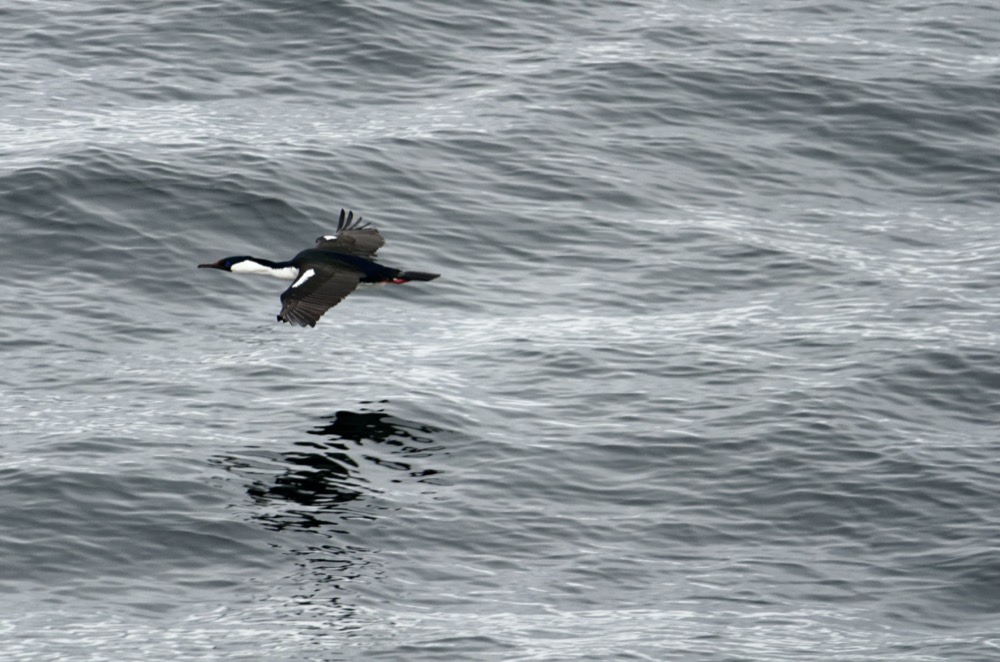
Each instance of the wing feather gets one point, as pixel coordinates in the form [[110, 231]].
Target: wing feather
[[303, 303], [353, 236]]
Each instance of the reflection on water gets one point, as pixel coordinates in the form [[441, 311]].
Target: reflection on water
[[336, 475], [325, 479]]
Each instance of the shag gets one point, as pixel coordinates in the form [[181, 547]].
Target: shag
[[323, 275]]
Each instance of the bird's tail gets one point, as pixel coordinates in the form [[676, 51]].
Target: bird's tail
[[406, 276]]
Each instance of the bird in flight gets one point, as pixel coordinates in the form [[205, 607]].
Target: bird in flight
[[323, 275]]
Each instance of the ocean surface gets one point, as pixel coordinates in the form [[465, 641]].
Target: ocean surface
[[711, 372]]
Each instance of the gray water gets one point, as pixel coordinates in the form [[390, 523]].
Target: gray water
[[710, 374]]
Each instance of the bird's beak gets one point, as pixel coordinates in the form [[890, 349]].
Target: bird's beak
[[213, 265]]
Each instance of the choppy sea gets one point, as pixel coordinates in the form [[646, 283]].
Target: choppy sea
[[711, 372]]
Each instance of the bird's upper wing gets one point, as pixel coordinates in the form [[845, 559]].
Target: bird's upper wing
[[352, 236], [315, 291]]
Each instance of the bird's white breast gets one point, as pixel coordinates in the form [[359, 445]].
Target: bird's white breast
[[249, 267]]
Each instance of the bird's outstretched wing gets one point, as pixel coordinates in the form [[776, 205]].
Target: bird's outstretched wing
[[315, 291], [352, 236]]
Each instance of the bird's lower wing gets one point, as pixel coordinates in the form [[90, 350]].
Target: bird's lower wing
[[312, 294]]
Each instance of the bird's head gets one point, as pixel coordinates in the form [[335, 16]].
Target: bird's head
[[227, 263]]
